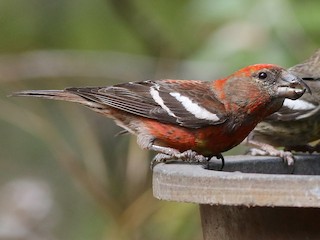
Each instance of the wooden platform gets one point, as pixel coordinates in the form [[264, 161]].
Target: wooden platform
[[252, 198]]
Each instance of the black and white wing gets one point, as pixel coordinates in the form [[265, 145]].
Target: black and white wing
[[183, 102]]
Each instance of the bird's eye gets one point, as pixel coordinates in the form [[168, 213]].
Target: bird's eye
[[262, 75]]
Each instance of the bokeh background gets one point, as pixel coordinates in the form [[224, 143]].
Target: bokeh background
[[63, 173]]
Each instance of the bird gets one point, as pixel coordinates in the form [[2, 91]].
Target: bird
[[189, 120], [297, 123]]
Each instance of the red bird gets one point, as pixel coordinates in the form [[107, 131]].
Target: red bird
[[189, 120]]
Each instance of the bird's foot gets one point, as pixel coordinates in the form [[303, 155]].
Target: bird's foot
[[268, 150], [211, 166], [264, 149], [191, 157], [160, 157], [172, 154], [186, 156], [219, 156]]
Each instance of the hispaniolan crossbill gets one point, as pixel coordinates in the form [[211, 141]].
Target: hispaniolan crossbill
[[189, 120]]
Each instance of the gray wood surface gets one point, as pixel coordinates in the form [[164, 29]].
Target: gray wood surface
[[237, 184]]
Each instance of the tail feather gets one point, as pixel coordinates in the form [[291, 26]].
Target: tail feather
[[50, 94]]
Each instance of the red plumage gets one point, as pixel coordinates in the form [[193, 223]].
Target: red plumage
[[189, 119]]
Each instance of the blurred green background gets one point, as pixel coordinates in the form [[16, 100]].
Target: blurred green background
[[63, 173]]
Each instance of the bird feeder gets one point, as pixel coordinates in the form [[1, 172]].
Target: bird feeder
[[252, 198]]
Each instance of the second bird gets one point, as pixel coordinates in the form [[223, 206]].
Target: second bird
[[297, 123]]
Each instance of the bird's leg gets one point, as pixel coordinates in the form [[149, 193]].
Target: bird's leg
[[168, 153], [264, 149]]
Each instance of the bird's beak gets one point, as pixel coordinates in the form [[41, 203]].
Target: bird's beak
[[291, 86]]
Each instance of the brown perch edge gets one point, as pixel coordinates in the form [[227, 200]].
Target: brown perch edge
[[252, 198]]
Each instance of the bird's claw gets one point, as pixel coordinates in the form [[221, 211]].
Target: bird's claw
[[191, 156], [186, 156], [160, 157], [287, 156]]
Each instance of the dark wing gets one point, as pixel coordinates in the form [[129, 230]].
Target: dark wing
[[186, 103]]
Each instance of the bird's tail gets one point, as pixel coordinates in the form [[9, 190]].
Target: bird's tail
[[50, 94]]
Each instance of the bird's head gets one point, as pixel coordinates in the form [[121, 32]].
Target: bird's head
[[278, 81]]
